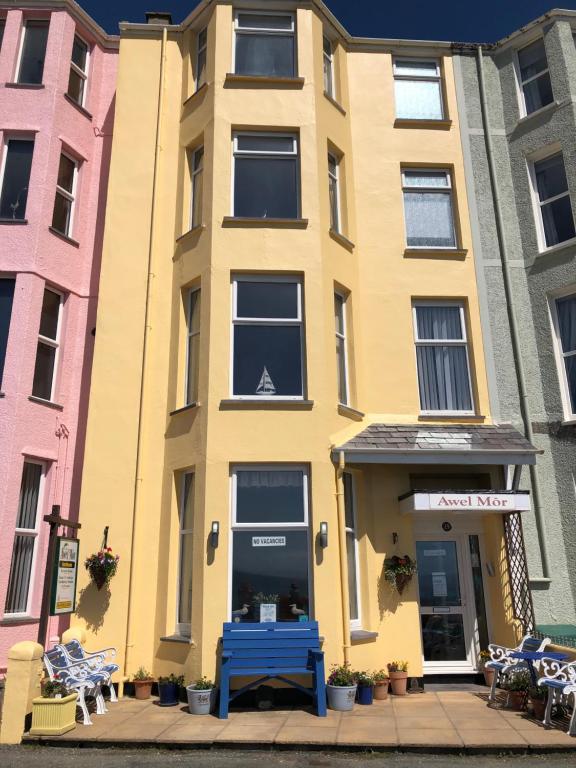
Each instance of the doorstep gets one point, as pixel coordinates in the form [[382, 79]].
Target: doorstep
[[445, 721]]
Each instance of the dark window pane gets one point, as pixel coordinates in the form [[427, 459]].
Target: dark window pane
[[265, 187], [271, 55], [558, 221], [6, 299], [29, 494], [280, 570], [76, 87], [438, 579], [79, 53], [61, 215], [49, 316], [567, 322], [571, 376], [341, 363], [260, 299], [532, 59], [264, 21], [193, 368], [44, 371], [20, 572], [2, 25], [259, 143], [352, 587], [443, 637], [348, 482], [201, 68], [66, 173], [202, 38], [269, 496], [267, 360], [479, 597], [550, 177], [33, 52], [16, 178], [538, 93]]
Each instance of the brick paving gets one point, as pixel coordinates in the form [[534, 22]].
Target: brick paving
[[449, 720]]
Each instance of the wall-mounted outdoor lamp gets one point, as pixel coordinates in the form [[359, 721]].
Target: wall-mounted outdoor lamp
[[323, 535], [214, 533]]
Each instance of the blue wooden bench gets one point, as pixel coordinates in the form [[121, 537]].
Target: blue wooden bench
[[272, 651]]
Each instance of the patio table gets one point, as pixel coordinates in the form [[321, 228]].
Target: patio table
[[531, 656]]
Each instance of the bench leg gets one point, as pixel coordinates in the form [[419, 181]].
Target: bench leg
[[572, 728], [113, 696], [549, 703], [82, 703], [492, 696], [319, 688], [100, 703], [224, 691]]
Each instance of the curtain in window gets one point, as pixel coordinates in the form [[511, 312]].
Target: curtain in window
[[567, 323], [443, 378], [269, 479], [20, 572], [29, 492], [429, 219], [438, 322]]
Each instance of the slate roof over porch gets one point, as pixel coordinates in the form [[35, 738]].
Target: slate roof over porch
[[438, 444]]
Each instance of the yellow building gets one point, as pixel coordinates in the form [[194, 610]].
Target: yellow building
[[288, 348]]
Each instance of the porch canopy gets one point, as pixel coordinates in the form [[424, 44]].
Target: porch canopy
[[438, 444]]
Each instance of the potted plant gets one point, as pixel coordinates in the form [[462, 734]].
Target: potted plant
[[485, 657], [201, 696], [537, 701], [169, 689], [365, 683], [54, 712], [341, 688], [142, 684], [398, 671], [516, 686], [398, 571], [381, 683], [101, 566]]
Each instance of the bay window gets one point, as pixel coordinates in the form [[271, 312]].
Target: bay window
[[266, 176], [48, 346], [33, 52], [21, 579], [63, 214], [78, 78], [428, 208], [535, 83], [17, 164], [270, 543], [565, 322], [442, 358], [267, 337], [264, 44], [185, 557], [418, 89], [555, 220]]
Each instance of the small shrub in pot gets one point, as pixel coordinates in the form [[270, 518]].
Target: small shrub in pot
[[381, 683], [201, 696], [169, 689], [516, 685], [341, 687], [537, 701], [398, 671], [365, 683], [485, 657], [142, 684]]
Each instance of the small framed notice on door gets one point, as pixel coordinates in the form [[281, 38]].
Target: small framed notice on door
[[439, 585], [267, 612]]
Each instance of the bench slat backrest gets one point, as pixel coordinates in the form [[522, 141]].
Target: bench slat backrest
[[532, 644], [282, 643]]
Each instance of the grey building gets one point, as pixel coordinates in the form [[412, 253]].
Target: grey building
[[517, 110]]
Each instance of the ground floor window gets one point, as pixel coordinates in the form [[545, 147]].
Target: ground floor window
[[270, 543], [184, 618], [352, 549]]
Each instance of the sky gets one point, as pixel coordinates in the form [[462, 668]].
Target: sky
[[472, 21]]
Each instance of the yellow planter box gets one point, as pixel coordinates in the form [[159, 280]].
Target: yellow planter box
[[53, 717]]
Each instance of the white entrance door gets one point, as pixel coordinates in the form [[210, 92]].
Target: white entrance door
[[452, 605]]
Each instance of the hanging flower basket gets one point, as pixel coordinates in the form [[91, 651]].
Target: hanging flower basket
[[102, 566], [399, 571]]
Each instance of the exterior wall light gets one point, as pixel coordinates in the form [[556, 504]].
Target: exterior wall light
[[214, 534], [323, 535]]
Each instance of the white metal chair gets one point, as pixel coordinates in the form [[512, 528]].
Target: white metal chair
[[96, 661], [502, 662], [560, 679], [77, 676]]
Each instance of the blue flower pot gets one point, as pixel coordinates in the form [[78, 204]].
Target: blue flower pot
[[169, 693], [365, 694]]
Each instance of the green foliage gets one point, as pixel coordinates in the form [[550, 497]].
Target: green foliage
[[203, 684], [398, 666], [53, 688], [365, 678], [341, 675], [381, 676], [518, 681], [142, 674], [173, 679]]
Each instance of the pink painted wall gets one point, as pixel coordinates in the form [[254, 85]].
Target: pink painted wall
[[39, 258]]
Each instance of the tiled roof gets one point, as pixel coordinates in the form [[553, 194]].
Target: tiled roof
[[419, 438]]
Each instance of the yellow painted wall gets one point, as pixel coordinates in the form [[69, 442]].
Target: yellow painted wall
[[147, 243]]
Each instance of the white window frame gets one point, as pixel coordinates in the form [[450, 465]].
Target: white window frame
[[249, 153], [304, 526], [521, 83], [436, 78], [463, 342], [355, 623], [83, 74], [328, 62], [335, 177], [183, 628], [344, 338], [447, 190], [559, 354], [25, 22], [189, 335], [236, 320], [7, 138], [70, 196], [237, 30], [200, 49], [537, 204], [54, 343], [31, 532], [194, 173]]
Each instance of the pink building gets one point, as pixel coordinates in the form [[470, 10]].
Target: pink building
[[57, 80]]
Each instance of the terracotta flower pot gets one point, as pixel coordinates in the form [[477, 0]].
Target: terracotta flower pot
[[381, 689], [538, 707], [516, 700], [488, 676], [143, 689], [399, 682]]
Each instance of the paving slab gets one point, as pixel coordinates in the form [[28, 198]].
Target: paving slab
[[293, 734], [480, 738]]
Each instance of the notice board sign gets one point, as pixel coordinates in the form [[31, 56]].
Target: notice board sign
[[64, 576]]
